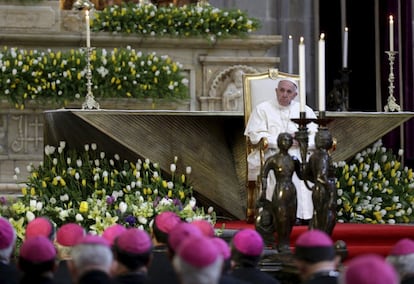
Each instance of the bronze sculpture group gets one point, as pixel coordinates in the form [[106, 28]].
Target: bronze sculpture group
[[278, 216]]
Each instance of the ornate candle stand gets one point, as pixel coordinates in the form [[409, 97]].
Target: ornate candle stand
[[90, 102], [302, 135], [391, 104], [319, 170], [338, 97], [345, 88]]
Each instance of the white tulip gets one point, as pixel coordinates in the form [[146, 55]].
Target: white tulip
[[123, 207], [39, 206], [79, 218], [30, 216]]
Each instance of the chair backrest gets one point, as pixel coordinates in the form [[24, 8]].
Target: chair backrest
[[260, 87]]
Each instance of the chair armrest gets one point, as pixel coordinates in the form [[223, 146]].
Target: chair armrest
[[261, 147]]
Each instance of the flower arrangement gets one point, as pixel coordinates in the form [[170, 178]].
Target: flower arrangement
[[33, 75], [97, 191], [186, 21], [375, 188]]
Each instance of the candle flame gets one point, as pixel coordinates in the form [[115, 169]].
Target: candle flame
[[391, 19], [322, 36], [302, 40], [346, 29], [290, 36]]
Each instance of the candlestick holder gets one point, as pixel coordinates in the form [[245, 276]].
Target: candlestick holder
[[391, 101], [322, 120], [338, 97], [302, 135], [344, 106], [89, 102], [318, 172]]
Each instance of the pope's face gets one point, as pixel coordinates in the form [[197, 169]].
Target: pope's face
[[285, 92]]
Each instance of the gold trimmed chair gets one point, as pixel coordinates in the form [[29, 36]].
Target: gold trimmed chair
[[257, 88]]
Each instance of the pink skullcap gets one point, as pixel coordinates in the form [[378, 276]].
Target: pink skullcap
[[166, 220], [40, 226], [205, 227], [198, 251], [370, 268], [69, 234], [112, 232], [248, 242], [314, 246], [134, 241], [93, 240], [7, 233], [223, 247], [181, 232], [314, 238], [403, 247], [38, 249]]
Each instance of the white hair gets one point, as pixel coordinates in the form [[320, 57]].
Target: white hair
[[91, 256], [189, 274], [403, 264]]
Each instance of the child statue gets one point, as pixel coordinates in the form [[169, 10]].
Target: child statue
[[321, 172], [283, 205]]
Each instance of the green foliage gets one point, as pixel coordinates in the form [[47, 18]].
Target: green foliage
[[59, 77], [187, 21]]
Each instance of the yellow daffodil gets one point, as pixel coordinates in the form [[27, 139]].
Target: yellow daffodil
[[377, 215], [83, 207]]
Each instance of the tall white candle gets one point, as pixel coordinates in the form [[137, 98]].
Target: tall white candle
[[345, 49], [343, 13], [302, 76], [290, 54], [391, 33], [88, 31], [321, 75]]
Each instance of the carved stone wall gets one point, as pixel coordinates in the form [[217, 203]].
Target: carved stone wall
[[21, 142], [218, 73]]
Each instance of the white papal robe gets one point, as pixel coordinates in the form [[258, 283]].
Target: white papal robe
[[268, 120]]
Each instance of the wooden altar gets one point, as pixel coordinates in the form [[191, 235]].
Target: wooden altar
[[212, 143]]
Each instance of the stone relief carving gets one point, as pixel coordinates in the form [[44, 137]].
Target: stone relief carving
[[29, 135], [228, 85], [3, 134]]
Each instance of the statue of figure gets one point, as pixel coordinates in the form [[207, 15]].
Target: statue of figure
[[336, 99], [321, 172], [284, 203], [233, 94]]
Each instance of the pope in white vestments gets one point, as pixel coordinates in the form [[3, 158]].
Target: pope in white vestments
[[268, 120]]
